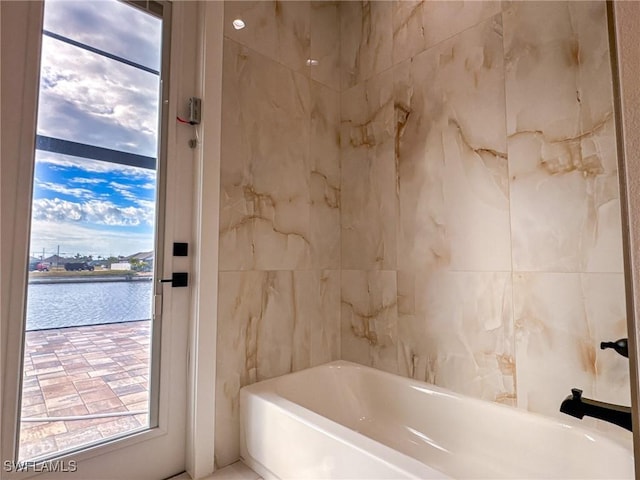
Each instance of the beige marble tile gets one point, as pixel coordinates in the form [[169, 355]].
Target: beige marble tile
[[325, 43], [560, 320], [317, 302], [269, 324], [278, 326], [239, 312], [299, 326], [324, 154], [455, 329], [450, 149], [418, 25], [562, 156], [408, 29], [366, 40], [369, 191], [369, 317], [279, 30], [265, 198]]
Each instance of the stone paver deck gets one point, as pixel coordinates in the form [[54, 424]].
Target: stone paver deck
[[83, 372]]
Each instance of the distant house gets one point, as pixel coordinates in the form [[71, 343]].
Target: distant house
[[142, 257], [56, 260], [141, 261], [121, 266]]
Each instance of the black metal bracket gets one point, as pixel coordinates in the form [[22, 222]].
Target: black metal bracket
[[180, 249], [178, 279]]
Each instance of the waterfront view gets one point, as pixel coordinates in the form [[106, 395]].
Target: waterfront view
[[56, 305], [86, 358]]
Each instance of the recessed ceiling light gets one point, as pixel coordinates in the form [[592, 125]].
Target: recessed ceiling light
[[238, 24], [312, 62]]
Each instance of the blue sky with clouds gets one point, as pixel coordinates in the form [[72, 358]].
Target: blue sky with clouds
[[81, 205]]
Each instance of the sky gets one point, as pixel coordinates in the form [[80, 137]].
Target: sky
[[88, 206]]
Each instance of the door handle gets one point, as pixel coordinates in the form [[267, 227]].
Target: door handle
[[178, 279]]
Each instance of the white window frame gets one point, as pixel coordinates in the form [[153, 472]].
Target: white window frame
[[21, 23]]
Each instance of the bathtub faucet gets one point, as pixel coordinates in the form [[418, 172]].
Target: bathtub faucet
[[577, 406]]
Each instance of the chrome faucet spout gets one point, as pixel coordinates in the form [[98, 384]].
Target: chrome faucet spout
[[578, 406]]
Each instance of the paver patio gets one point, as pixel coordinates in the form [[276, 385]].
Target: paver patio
[[79, 372]]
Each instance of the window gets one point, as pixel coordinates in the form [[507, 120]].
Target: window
[[87, 364]]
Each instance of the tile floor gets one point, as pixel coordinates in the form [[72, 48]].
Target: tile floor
[[83, 372], [235, 471]]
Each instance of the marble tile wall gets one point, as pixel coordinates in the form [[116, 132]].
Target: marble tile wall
[[436, 197], [565, 210], [279, 260], [479, 183], [425, 210], [562, 151]]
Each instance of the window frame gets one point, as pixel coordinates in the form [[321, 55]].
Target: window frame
[[14, 318]]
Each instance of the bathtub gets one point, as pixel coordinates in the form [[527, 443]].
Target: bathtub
[[343, 420]]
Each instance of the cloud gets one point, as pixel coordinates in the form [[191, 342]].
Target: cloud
[[58, 188], [75, 238], [91, 99], [99, 212], [90, 181], [124, 190], [101, 25], [150, 204], [93, 166]]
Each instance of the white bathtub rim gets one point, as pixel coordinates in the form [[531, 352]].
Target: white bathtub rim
[[407, 466], [555, 422], [280, 393]]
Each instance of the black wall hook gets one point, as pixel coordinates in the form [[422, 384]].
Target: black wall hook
[[178, 279]]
